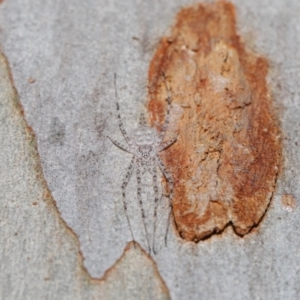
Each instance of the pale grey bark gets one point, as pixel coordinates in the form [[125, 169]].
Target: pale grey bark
[[71, 51]]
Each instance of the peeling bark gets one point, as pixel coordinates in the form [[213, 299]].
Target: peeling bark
[[226, 160]]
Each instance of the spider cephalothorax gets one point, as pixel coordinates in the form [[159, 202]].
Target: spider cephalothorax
[[144, 138], [144, 144]]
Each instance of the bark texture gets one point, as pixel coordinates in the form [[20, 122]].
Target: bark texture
[[63, 230], [226, 159]]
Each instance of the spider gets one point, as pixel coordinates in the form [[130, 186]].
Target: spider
[[144, 144]]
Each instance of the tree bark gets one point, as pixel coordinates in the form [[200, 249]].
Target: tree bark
[[64, 234]]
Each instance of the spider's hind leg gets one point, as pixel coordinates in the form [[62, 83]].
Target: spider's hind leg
[[124, 184], [171, 188], [139, 196], [153, 171]]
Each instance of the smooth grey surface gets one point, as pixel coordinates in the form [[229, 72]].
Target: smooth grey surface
[[72, 50], [39, 254]]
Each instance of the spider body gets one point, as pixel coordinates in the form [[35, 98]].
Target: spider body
[[144, 138], [144, 144]]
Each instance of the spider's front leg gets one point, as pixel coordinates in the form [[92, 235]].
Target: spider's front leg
[[171, 187], [119, 145], [161, 135], [167, 119], [124, 184], [167, 144], [121, 126]]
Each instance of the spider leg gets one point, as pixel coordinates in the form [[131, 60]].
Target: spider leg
[[124, 184], [171, 187], [144, 170], [167, 119], [167, 144], [155, 187], [119, 145], [121, 126], [139, 196]]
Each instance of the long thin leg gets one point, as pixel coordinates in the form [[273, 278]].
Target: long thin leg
[[155, 187], [121, 126], [171, 187], [125, 182], [167, 144], [119, 145], [167, 119], [139, 196]]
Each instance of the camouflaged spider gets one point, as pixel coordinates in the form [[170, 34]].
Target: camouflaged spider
[[144, 144]]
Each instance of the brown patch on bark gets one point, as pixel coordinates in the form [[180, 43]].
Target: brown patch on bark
[[225, 161]]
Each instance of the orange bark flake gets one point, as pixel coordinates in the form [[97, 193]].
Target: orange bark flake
[[226, 159]]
